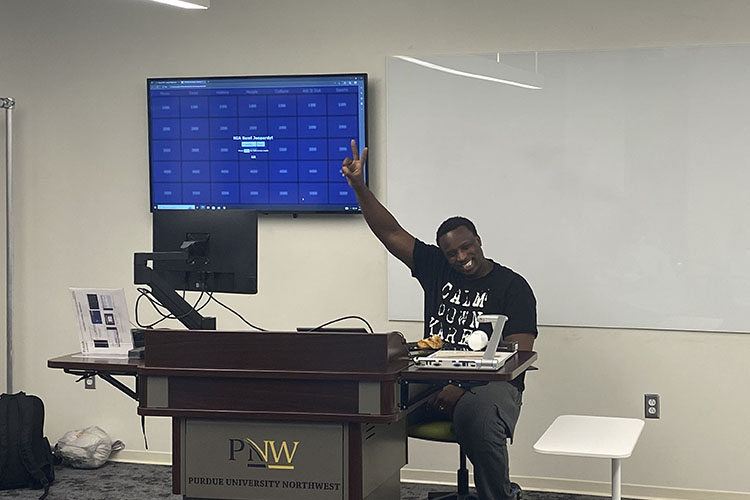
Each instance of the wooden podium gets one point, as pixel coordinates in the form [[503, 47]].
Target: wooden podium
[[282, 415], [279, 415]]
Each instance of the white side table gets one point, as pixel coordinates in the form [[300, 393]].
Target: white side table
[[589, 436]]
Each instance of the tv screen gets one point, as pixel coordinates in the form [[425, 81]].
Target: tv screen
[[265, 143]]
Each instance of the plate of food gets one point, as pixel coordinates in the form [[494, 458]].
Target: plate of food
[[425, 346]]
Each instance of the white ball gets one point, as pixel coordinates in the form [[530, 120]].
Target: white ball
[[477, 340]]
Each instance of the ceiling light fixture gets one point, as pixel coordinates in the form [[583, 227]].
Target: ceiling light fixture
[[481, 68], [187, 4]]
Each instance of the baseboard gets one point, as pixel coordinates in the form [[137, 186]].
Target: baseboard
[[581, 487], [431, 476], [142, 457]]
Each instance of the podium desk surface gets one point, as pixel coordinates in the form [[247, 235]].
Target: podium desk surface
[[78, 361], [513, 367]]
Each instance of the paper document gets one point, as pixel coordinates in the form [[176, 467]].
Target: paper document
[[102, 315]]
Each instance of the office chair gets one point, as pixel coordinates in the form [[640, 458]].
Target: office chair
[[440, 430]]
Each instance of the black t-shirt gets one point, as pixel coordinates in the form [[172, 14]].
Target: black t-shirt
[[453, 302]]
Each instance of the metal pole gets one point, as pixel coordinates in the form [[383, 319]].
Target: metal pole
[[616, 479], [8, 103]]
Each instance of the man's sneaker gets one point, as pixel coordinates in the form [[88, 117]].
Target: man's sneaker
[[517, 492]]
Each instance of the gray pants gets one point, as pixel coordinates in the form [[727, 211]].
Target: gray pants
[[483, 420]]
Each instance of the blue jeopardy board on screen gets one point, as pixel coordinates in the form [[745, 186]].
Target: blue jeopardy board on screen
[[274, 144]]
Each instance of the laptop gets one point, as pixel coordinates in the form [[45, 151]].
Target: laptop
[[489, 359]]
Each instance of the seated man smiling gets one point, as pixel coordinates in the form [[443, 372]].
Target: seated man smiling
[[459, 285]]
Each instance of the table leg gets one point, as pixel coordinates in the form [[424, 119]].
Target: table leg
[[616, 479]]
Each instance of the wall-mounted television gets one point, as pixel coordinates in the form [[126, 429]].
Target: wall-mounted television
[[273, 144]]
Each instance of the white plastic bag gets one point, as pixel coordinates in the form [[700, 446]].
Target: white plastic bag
[[87, 448]]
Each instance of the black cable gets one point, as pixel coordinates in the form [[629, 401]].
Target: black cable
[[145, 292], [342, 319], [211, 297]]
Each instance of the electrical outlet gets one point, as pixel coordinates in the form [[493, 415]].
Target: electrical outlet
[[651, 405], [90, 382]]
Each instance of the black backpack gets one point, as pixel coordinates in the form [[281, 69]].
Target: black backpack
[[25, 456]]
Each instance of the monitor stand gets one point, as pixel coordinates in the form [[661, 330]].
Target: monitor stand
[[165, 293]]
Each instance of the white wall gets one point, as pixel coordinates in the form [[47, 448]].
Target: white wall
[[77, 70]]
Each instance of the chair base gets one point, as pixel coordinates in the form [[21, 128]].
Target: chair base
[[450, 495], [454, 495]]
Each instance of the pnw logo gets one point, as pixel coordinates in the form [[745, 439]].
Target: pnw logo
[[270, 455]]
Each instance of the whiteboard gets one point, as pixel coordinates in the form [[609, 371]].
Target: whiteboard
[[619, 190]]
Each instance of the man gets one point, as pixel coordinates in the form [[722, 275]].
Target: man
[[459, 283]]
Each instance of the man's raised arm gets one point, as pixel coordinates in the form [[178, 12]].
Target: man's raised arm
[[382, 223]]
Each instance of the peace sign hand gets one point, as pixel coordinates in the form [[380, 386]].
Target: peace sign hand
[[354, 169]]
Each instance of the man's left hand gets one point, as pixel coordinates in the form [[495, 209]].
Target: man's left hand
[[445, 400]]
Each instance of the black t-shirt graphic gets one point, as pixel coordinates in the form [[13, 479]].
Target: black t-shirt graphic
[[453, 303]]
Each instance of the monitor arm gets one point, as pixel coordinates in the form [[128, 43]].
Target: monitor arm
[[165, 293]]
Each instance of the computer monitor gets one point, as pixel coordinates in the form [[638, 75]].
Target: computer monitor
[[222, 250], [269, 143], [205, 251]]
